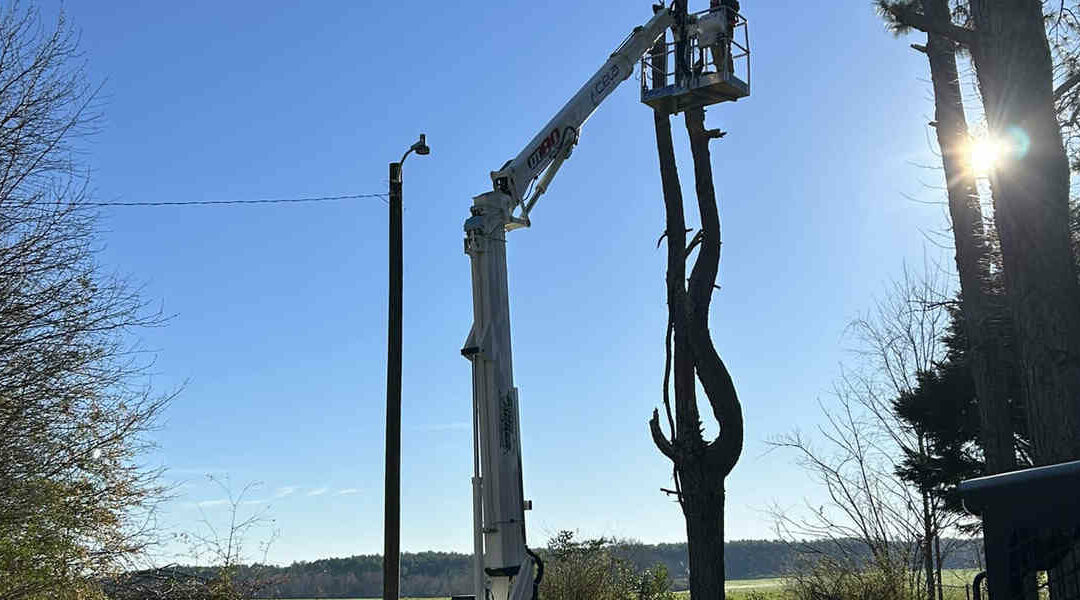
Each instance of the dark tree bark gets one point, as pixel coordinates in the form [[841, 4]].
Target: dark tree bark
[[1030, 188], [700, 467], [972, 262], [978, 304], [1031, 204], [985, 345], [1031, 201]]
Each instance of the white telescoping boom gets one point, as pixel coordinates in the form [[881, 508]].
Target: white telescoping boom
[[505, 569]]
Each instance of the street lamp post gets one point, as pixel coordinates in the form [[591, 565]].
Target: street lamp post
[[392, 505]]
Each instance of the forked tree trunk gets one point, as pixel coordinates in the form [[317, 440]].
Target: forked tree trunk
[[700, 467]]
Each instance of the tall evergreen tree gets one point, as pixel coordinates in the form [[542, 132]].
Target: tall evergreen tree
[[1011, 53], [973, 249], [1008, 44]]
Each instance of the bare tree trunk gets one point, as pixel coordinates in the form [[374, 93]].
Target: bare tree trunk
[[928, 532], [724, 451], [704, 512], [1031, 200], [937, 566], [700, 467], [985, 345], [685, 394], [1030, 189]]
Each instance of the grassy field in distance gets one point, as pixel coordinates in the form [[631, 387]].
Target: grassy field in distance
[[741, 589], [772, 587]]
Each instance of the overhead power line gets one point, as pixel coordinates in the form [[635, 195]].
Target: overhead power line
[[222, 202]]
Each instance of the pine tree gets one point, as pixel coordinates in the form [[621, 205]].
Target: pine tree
[[944, 409]]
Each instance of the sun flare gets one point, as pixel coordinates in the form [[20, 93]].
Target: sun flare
[[985, 154]]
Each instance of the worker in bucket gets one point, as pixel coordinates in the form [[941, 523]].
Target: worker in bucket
[[715, 31]]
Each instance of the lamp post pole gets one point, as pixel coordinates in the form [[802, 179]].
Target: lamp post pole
[[392, 502]]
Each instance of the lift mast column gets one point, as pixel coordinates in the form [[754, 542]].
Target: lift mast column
[[504, 568], [498, 502]]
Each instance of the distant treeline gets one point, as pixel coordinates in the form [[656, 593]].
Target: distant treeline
[[442, 574]]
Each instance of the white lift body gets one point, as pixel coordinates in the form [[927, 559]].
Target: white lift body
[[504, 568], [543, 156], [501, 557]]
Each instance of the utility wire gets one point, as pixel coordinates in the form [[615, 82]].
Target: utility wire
[[221, 202]]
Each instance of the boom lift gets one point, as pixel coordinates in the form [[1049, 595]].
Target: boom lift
[[504, 567]]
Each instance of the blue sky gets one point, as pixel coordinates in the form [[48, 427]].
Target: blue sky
[[280, 312]]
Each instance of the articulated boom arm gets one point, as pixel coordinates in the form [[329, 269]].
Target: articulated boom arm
[[556, 140], [504, 568]]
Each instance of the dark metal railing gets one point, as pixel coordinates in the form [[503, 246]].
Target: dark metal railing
[[663, 66]]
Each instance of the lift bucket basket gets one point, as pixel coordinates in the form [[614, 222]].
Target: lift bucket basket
[[678, 75]]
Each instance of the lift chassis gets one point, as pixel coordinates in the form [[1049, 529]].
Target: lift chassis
[[504, 567]]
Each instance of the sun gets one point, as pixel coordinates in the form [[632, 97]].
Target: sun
[[985, 154]]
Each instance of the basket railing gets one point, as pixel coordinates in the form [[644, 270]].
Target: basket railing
[[661, 66]]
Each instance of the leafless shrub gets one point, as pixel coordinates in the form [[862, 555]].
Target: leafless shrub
[[876, 534]]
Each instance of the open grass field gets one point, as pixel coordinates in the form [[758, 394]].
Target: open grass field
[[772, 588]]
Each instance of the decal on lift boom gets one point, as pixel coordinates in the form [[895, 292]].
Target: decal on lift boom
[[550, 143]]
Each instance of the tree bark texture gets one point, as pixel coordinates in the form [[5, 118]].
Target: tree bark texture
[[985, 342], [704, 513], [1031, 206], [700, 466], [1030, 191]]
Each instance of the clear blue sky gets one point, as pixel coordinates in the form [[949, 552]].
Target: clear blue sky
[[280, 311]]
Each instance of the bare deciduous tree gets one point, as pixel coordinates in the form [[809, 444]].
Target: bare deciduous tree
[[73, 412], [862, 445], [221, 547]]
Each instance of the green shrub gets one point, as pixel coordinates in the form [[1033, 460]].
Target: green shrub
[[588, 570]]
